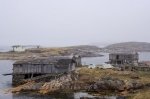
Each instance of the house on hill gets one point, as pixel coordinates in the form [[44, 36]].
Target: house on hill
[[21, 48]]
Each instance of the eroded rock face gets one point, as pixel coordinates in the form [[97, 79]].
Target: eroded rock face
[[133, 85], [56, 85], [72, 82], [114, 84], [108, 83]]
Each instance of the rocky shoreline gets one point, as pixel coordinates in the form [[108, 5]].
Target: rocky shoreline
[[120, 83]]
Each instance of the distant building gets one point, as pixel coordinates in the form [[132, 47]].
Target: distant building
[[77, 60], [20, 48], [53, 65], [123, 58]]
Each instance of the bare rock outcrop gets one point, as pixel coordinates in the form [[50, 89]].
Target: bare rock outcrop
[[108, 83]]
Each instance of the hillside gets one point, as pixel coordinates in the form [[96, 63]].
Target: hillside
[[82, 50], [128, 47]]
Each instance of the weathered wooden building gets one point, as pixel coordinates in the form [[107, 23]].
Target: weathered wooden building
[[123, 58], [77, 60], [53, 65]]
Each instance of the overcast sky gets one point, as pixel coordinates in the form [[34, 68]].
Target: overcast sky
[[73, 22]]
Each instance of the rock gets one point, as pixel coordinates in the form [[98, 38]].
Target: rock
[[30, 86], [57, 85], [147, 85], [135, 77], [108, 83], [133, 85]]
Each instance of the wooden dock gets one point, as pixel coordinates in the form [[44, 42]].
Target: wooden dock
[[7, 74]]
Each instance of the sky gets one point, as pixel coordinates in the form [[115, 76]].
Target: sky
[[73, 22]]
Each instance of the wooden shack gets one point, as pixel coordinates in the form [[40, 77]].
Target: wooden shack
[[36, 67], [77, 60], [123, 58]]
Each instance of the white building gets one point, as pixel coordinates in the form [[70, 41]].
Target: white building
[[20, 48]]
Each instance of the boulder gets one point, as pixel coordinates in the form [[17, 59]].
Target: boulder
[[135, 77], [108, 83], [133, 85]]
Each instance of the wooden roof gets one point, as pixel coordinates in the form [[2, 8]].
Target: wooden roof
[[50, 60], [125, 53]]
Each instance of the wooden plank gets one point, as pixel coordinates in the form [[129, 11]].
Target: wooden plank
[[7, 74]]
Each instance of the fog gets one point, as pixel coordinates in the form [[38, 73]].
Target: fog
[[73, 22]]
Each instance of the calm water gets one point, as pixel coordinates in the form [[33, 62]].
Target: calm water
[[5, 48], [144, 56], [96, 60], [5, 81]]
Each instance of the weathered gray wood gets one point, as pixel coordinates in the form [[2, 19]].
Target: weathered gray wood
[[123, 58], [40, 68]]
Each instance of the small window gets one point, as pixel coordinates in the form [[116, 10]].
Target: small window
[[117, 57]]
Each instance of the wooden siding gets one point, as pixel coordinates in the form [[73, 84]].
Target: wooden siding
[[123, 58], [41, 69]]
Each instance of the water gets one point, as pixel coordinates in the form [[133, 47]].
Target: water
[[5, 48], [144, 56], [5, 81], [96, 60]]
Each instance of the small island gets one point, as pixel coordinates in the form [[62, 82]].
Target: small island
[[24, 52]]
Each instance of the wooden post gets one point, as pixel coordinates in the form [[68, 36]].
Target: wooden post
[[32, 75]]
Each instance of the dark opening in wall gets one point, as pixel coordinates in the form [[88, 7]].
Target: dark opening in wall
[[27, 76], [117, 57]]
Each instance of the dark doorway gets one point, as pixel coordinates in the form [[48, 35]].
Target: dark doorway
[[117, 57]]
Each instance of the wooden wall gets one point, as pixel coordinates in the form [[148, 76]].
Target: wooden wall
[[40, 68]]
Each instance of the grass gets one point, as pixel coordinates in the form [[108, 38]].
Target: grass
[[144, 94], [144, 77], [92, 75], [99, 73]]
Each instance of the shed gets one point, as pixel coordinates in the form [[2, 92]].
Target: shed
[[53, 66], [44, 66], [123, 58]]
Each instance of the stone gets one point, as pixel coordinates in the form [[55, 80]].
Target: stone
[[133, 85], [108, 83]]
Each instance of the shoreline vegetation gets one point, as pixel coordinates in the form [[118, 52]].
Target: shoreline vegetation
[[94, 81], [83, 51]]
